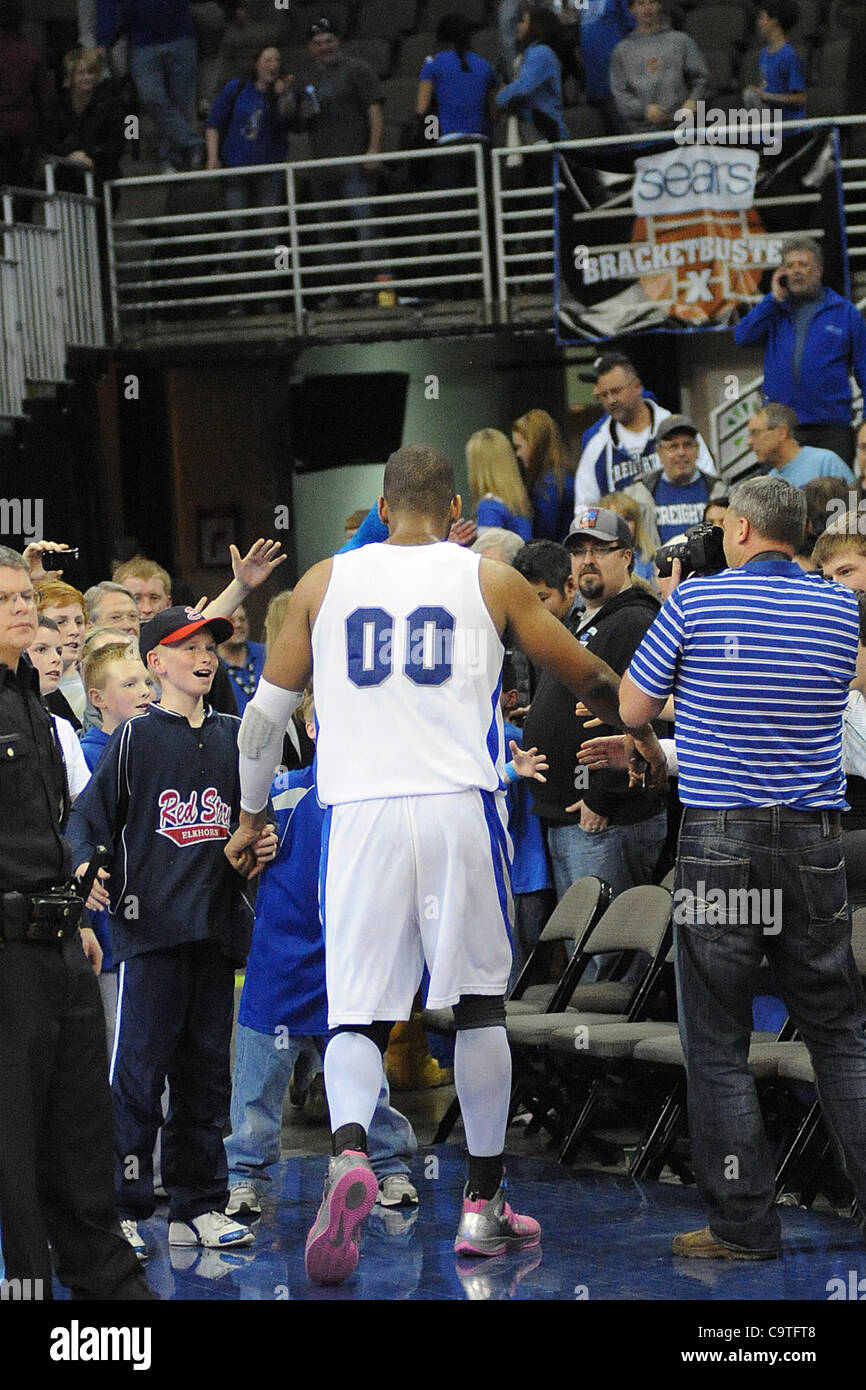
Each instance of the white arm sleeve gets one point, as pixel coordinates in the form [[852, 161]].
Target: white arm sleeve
[[260, 741], [669, 748]]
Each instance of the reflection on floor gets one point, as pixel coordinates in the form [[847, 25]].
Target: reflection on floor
[[604, 1237]]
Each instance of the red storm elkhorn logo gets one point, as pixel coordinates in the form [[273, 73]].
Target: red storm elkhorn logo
[[187, 822]]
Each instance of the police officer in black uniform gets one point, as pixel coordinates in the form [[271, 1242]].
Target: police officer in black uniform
[[56, 1142]]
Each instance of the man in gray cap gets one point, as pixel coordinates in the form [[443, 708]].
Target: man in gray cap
[[673, 497], [596, 823]]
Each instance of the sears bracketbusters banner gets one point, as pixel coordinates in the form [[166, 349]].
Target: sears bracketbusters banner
[[685, 238]]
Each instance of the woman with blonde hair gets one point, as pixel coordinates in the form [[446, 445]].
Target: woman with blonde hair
[[644, 550], [496, 485], [548, 478]]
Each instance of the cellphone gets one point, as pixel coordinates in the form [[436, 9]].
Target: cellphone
[[71, 554], [783, 281]]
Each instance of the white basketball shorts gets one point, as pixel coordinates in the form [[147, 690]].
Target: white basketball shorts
[[409, 879]]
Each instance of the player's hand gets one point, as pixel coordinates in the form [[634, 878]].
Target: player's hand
[[36, 554], [98, 894], [91, 948], [778, 284], [647, 762], [463, 532], [609, 751], [239, 850], [528, 762], [589, 719], [590, 821], [258, 564], [265, 848]]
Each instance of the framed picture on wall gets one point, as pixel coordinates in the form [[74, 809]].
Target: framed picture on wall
[[218, 528]]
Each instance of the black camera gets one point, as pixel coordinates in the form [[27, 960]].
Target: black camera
[[701, 552]]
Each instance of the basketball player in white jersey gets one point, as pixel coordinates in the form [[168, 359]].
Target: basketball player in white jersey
[[405, 641]]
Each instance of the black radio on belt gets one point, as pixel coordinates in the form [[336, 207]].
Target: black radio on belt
[[48, 916], [52, 915]]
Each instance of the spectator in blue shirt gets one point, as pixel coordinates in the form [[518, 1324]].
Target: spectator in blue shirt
[[462, 83], [249, 124], [549, 482], [496, 485], [774, 436], [603, 24], [783, 82], [243, 660], [535, 95]]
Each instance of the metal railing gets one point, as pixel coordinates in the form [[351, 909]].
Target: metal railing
[[76, 217], [329, 236], [11, 343], [37, 253]]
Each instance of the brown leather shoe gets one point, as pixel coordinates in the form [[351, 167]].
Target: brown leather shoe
[[702, 1245]]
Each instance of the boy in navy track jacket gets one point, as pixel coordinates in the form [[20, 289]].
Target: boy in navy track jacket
[[164, 797]]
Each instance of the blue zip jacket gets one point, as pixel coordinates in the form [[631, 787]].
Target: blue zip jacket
[[284, 984], [835, 346], [538, 86], [166, 797]]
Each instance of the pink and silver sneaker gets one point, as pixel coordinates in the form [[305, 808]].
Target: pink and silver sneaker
[[334, 1243], [492, 1228]]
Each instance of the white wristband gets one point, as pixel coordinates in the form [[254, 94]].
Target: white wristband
[[260, 741]]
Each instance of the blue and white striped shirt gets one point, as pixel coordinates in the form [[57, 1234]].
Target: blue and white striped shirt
[[759, 661]]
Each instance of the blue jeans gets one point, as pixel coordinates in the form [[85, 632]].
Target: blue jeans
[[624, 856], [804, 929], [165, 76], [254, 191], [263, 1066]]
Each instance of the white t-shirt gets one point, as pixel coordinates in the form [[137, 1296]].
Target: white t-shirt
[[77, 771]]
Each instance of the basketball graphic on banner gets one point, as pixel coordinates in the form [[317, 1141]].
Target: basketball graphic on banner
[[707, 290]]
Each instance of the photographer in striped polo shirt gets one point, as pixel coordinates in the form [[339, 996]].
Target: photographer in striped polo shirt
[[759, 659]]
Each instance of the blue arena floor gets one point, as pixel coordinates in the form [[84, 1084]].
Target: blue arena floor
[[604, 1237]]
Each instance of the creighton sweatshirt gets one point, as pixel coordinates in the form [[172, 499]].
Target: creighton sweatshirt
[[665, 68]]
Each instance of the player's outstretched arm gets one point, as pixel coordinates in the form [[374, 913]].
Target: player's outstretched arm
[[514, 604], [279, 692]]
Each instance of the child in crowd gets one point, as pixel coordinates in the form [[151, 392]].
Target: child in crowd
[[283, 1004], [118, 688], [65, 605], [530, 875], [46, 654], [164, 797]]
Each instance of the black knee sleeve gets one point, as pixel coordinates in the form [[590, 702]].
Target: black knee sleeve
[[479, 1011], [379, 1031]]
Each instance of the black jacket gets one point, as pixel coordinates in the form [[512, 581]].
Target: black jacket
[[33, 797], [614, 634], [97, 130]]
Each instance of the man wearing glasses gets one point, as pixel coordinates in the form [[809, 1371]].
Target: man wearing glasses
[[56, 1143], [773, 432], [596, 823]]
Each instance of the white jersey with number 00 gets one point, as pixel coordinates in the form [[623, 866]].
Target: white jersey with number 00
[[407, 667]]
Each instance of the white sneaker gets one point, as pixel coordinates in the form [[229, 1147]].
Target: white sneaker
[[212, 1228], [397, 1191], [136, 1240], [243, 1201]]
